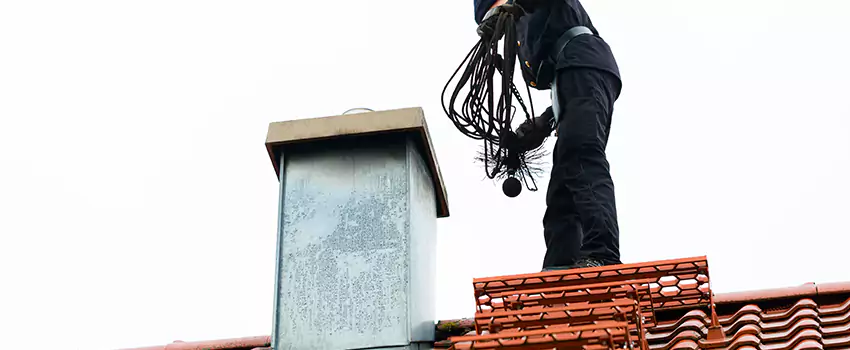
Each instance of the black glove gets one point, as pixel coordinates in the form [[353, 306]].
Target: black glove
[[532, 133], [488, 25]]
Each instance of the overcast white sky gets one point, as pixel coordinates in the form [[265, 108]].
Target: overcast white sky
[[137, 203]]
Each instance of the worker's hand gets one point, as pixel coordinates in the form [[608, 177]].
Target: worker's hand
[[488, 25], [532, 133]]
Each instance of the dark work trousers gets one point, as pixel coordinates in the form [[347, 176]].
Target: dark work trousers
[[581, 214]]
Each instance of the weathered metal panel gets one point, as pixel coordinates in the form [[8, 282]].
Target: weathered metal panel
[[348, 253], [278, 248], [423, 247]]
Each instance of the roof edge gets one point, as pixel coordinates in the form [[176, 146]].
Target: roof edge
[[221, 344], [806, 290]]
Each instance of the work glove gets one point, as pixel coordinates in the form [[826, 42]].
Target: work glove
[[518, 7], [488, 25], [532, 133]]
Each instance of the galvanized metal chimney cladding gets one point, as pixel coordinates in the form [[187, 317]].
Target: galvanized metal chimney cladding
[[360, 195]]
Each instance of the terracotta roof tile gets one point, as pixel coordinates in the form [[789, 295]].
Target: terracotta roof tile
[[804, 324]]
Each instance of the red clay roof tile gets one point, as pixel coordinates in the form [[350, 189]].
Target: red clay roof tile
[[805, 324]]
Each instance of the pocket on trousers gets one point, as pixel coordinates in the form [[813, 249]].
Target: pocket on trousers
[[579, 126]]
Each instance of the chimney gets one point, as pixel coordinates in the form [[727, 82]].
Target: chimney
[[359, 199]]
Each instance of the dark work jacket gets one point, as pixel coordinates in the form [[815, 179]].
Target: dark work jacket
[[538, 31]]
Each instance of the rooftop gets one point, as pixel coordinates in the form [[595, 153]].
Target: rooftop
[[810, 316]]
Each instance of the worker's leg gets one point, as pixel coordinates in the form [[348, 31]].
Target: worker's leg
[[581, 188], [561, 224]]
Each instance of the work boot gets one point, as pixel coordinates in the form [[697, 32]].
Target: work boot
[[556, 268], [587, 262], [581, 263]]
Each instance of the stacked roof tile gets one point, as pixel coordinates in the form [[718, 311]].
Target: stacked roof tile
[[590, 308]]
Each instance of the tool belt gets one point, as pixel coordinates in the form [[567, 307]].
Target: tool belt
[[545, 74]]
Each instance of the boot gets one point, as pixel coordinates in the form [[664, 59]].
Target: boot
[[581, 263]]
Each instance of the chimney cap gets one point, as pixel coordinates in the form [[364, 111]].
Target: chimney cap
[[406, 120]]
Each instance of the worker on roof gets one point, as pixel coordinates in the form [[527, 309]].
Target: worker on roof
[[560, 50]]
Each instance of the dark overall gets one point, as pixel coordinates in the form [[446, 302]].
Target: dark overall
[[581, 215]]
